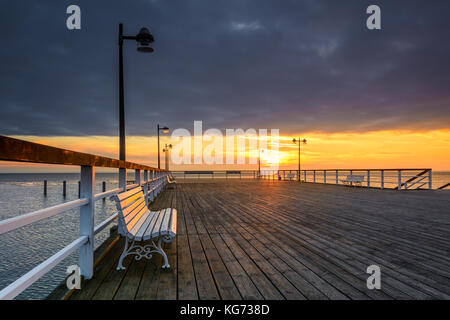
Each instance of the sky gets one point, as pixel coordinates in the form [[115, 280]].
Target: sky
[[363, 98]]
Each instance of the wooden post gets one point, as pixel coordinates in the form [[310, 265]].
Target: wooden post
[[382, 179], [324, 176], [45, 187], [146, 186], [79, 189], [337, 177], [368, 178], [351, 173], [86, 257], [104, 189], [399, 179], [304, 173], [430, 179], [64, 188], [314, 176]]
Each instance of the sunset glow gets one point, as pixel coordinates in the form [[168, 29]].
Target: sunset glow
[[378, 149]]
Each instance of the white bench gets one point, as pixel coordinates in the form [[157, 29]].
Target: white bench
[[170, 179], [290, 176], [356, 179], [139, 224]]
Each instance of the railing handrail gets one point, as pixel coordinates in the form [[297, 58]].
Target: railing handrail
[[12, 149]]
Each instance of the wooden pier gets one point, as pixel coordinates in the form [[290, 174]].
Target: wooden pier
[[286, 240]]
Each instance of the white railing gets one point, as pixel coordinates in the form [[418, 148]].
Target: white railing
[[153, 183], [400, 179]]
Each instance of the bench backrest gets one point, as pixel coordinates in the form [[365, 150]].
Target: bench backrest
[[355, 178], [131, 206]]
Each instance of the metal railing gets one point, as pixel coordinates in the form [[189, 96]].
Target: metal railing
[[11, 149], [401, 179]]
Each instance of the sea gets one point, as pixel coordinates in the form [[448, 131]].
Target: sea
[[24, 248]]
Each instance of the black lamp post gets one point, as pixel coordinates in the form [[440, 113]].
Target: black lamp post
[[299, 141], [164, 130], [143, 39]]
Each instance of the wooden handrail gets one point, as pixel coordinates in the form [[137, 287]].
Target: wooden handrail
[[24, 151]]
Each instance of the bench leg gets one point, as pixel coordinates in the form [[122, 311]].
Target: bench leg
[[161, 251], [144, 251], [125, 252]]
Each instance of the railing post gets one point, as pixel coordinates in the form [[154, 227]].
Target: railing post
[[146, 186], [137, 176], [399, 179], [351, 173], [123, 179], [314, 176], [337, 177], [368, 178], [382, 179], [45, 187], [158, 175], [152, 185], [324, 176], [304, 173], [79, 189], [86, 257], [430, 179], [64, 188]]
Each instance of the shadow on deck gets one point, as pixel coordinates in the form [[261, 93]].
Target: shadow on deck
[[284, 240]]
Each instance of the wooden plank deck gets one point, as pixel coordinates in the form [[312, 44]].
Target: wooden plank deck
[[290, 241]]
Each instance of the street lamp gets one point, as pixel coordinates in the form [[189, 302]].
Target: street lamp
[[300, 142], [167, 148], [164, 130], [143, 40]]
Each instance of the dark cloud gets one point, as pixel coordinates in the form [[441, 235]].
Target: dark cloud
[[293, 65]]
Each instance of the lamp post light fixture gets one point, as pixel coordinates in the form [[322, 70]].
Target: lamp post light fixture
[[300, 142], [166, 150], [143, 39], [164, 130]]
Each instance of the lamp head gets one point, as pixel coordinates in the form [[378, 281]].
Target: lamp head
[[144, 38], [165, 129]]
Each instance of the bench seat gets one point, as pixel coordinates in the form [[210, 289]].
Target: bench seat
[[358, 179], [138, 224]]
